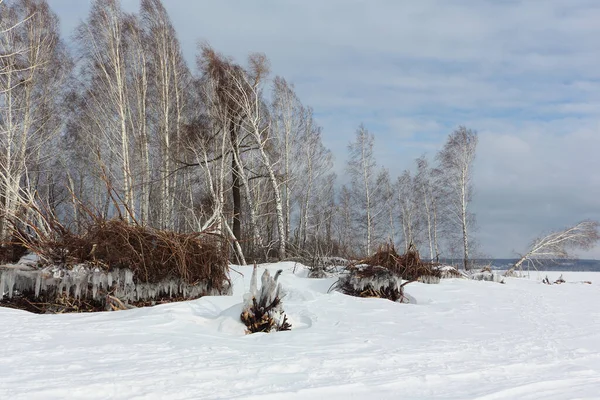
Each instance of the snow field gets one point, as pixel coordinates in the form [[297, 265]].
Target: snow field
[[462, 340]]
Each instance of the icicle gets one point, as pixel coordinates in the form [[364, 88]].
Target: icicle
[[10, 283], [109, 280], [128, 277], [2, 283], [118, 275]]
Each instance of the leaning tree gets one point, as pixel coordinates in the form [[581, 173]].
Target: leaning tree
[[560, 244]]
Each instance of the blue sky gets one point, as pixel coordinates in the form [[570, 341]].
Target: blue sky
[[524, 74]]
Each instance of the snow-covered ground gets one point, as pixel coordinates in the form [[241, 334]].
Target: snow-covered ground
[[462, 340]]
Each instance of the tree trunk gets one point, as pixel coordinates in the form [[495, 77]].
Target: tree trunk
[[236, 191]]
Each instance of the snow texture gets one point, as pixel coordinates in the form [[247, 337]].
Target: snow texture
[[464, 339]]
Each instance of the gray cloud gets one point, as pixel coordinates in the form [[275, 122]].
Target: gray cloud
[[523, 73]]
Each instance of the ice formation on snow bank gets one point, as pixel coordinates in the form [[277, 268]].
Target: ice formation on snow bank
[[486, 276], [372, 281], [85, 281], [449, 272]]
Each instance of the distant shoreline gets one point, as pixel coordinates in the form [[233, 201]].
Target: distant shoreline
[[581, 265]]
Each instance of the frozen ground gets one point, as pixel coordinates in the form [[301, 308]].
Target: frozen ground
[[463, 340]]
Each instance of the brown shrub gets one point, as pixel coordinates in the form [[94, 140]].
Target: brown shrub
[[409, 265], [151, 254], [381, 274]]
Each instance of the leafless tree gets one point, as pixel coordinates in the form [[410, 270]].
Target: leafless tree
[[237, 95], [316, 162], [103, 51], [33, 69], [560, 244], [456, 163], [345, 233], [287, 124], [425, 187], [407, 201], [171, 80], [365, 186], [256, 124]]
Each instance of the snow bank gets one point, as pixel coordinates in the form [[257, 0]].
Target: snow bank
[[463, 339]]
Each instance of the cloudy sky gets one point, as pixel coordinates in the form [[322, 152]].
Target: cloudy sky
[[524, 73]]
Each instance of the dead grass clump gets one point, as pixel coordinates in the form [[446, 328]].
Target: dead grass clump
[[114, 265], [382, 274], [48, 304], [409, 265], [152, 255]]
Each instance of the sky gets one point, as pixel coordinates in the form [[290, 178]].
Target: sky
[[525, 74]]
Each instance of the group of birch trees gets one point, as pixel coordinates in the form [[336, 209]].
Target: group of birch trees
[[428, 208], [120, 126]]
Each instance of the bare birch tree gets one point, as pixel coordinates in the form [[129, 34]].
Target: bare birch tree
[[259, 127], [140, 94], [408, 208], [287, 118], [560, 244], [171, 78], [456, 163], [345, 233], [103, 50], [361, 168], [316, 162], [232, 96], [425, 187], [33, 68]]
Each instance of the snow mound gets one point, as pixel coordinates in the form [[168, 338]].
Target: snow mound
[[462, 340]]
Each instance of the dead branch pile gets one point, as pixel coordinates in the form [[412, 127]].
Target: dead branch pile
[[382, 274], [263, 311], [409, 265], [151, 254], [131, 263], [47, 304]]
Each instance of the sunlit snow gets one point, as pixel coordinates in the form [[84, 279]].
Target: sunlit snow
[[463, 339]]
